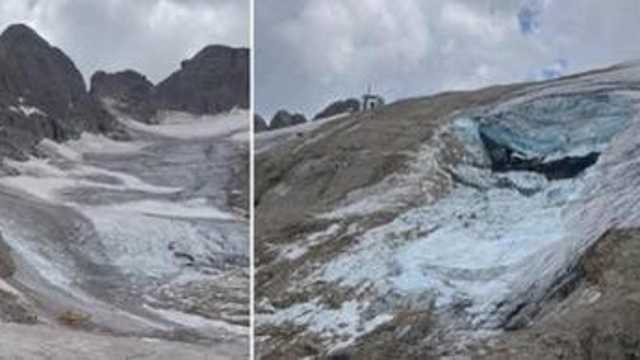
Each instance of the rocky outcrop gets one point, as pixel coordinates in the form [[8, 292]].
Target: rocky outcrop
[[7, 266], [131, 91], [284, 119], [216, 79], [213, 81], [12, 309], [42, 94], [339, 107], [259, 125]]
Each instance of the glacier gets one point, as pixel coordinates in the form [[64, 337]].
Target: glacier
[[537, 178], [113, 228]]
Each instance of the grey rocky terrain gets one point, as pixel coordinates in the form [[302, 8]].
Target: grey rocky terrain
[[42, 94], [499, 223], [125, 236]]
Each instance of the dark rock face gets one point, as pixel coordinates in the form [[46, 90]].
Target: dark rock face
[[259, 124], [7, 266], [214, 80], [12, 309], [42, 94], [131, 90], [339, 107], [284, 119], [36, 71]]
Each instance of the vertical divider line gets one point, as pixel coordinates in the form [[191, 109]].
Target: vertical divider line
[[252, 315]]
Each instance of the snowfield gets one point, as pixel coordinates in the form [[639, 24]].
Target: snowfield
[[187, 126]]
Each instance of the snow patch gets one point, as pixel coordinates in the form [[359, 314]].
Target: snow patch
[[27, 110], [45, 180], [8, 288], [186, 126], [195, 209], [89, 143], [298, 249], [345, 323], [51, 147], [194, 321]]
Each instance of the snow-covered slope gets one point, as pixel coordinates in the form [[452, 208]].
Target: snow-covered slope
[[142, 237], [464, 211]]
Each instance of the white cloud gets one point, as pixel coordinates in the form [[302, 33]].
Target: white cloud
[[461, 18], [340, 31], [151, 36], [311, 52]]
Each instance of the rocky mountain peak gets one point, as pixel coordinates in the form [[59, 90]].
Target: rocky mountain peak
[[217, 56], [31, 68], [283, 119], [216, 79], [20, 35], [42, 93], [131, 91], [259, 124]]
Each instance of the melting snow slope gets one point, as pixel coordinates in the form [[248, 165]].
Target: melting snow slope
[[135, 228], [497, 240], [186, 126]]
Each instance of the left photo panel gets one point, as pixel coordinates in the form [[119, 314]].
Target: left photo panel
[[124, 179]]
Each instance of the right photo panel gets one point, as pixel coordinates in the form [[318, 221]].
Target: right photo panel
[[447, 179]]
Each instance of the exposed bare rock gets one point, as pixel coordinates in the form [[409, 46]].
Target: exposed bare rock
[[259, 124], [339, 107], [216, 79], [131, 91], [42, 94], [7, 266], [284, 119]]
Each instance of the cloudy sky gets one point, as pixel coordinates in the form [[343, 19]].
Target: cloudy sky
[[151, 36], [311, 52]]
